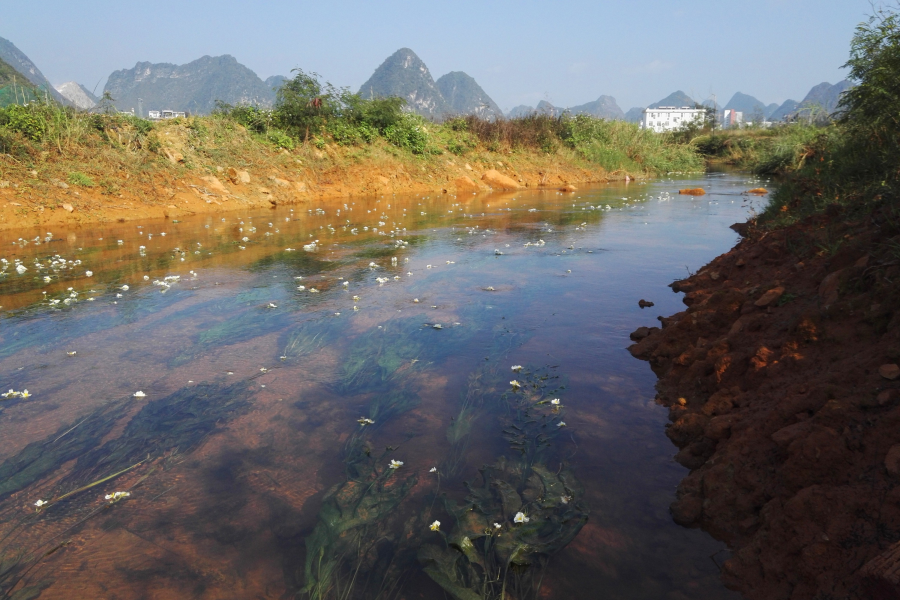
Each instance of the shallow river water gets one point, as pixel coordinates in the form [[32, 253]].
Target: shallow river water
[[380, 397]]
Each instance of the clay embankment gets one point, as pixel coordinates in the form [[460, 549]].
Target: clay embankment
[[40, 196], [784, 398]]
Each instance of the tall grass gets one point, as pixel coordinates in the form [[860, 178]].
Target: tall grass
[[774, 151]]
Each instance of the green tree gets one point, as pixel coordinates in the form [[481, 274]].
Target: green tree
[[303, 104]]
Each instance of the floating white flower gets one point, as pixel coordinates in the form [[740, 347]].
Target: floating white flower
[[263, 370], [565, 499], [395, 464], [438, 326], [365, 421], [116, 496], [272, 305], [313, 291], [24, 394], [118, 295], [10, 394], [416, 300], [515, 384], [46, 279], [436, 526], [139, 394], [356, 298], [561, 424], [301, 287], [432, 470], [516, 368], [21, 269], [497, 526], [521, 518], [555, 402], [72, 352], [124, 288], [41, 503]]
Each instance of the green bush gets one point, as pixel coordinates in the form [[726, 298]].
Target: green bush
[[30, 121], [409, 133]]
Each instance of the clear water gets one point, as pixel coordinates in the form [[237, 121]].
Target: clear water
[[249, 474]]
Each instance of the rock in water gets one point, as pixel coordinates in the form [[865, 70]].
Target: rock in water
[[498, 180]]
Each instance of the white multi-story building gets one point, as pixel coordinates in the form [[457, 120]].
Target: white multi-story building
[[669, 118]]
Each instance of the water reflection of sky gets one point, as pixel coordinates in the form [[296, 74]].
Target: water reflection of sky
[[233, 479]]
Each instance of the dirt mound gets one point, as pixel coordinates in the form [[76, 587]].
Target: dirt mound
[[781, 407]]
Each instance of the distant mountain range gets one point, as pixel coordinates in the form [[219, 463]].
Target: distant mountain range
[[466, 97], [604, 107], [78, 95], [677, 99], [825, 96], [193, 87], [196, 86], [16, 59], [404, 74]]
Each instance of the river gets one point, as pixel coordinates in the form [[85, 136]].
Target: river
[[365, 398]]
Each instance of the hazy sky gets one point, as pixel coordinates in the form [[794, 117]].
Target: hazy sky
[[567, 52]]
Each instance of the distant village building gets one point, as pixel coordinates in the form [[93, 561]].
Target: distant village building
[[159, 115], [669, 118], [732, 118]]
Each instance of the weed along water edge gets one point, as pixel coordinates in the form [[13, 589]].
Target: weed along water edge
[[374, 397]]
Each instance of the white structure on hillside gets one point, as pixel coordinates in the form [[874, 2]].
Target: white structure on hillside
[[158, 115], [669, 118]]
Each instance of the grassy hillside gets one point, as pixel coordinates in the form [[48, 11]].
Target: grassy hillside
[[12, 83]]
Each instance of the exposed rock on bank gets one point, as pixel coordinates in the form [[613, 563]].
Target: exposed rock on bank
[[781, 382]]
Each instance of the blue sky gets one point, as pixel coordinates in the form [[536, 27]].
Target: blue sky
[[566, 52]]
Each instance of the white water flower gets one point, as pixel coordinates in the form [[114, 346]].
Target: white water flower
[[561, 424], [124, 288], [346, 283], [88, 273], [555, 402], [365, 421], [438, 326], [20, 269], [116, 496], [139, 394], [41, 503], [263, 370], [395, 464], [521, 518], [516, 368], [565, 499], [24, 394], [272, 305], [118, 295], [313, 291], [146, 277], [436, 526], [516, 385], [301, 287], [356, 298], [497, 526], [72, 352], [432, 470]]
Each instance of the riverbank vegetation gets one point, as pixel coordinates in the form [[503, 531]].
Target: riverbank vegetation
[[310, 118]]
